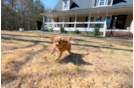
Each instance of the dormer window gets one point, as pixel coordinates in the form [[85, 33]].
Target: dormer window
[[102, 3], [65, 4]]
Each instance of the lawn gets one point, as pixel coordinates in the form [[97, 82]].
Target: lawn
[[95, 63]]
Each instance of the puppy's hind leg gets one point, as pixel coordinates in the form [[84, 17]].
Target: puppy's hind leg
[[69, 50], [70, 53]]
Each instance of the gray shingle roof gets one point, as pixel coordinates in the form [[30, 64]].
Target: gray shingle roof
[[88, 4]]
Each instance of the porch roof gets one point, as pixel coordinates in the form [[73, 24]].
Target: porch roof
[[94, 11]]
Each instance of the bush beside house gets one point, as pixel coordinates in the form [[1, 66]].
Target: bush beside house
[[38, 25], [96, 31], [50, 30]]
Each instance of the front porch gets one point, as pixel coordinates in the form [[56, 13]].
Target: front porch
[[86, 21]]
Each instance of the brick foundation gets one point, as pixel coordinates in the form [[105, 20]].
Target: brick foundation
[[119, 35]]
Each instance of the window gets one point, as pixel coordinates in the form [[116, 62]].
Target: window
[[57, 19], [108, 20], [65, 4], [98, 19], [92, 19], [102, 2]]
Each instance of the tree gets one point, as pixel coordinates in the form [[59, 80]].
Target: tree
[[21, 13]]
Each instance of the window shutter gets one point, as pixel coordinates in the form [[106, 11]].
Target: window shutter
[[109, 2], [95, 2]]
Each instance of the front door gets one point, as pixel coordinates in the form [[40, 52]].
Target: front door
[[121, 21]]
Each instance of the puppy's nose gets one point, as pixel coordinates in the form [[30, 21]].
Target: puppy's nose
[[56, 44]]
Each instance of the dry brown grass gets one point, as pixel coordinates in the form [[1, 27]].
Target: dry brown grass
[[95, 63]]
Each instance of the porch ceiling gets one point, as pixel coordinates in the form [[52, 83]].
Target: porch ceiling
[[112, 11]]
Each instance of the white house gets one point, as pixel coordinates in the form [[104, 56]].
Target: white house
[[85, 15]]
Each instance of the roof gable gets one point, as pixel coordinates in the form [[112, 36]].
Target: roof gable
[[87, 4]]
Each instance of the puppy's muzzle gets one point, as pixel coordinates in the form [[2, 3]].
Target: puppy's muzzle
[[57, 44]]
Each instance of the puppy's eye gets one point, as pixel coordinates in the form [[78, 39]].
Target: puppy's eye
[[59, 42]]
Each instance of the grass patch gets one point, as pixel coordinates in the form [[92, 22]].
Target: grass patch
[[10, 40], [84, 46], [112, 51], [82, 55], [92, 35], [74, 32], [56, 72], [100, 47], [111, 45], [101, 35], [29, 41], [40, 64], [77, 67], [44, 47], [46, 61], [2, 55], [15, 42], [129, 46]]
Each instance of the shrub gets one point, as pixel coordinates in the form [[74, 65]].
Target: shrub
[[70, 32], [96, 31], [76, 32], [62, 29], [38, 25], [50, 30]]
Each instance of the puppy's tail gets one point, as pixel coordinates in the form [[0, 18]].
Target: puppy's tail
[[69, 38]]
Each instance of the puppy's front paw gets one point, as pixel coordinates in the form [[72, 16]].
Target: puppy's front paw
[[51, 53]]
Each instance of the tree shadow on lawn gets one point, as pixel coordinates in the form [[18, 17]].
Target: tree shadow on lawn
[[103, 47], [37, 41], [13, 35], [74, 58], [82, 40], [26, 40], [15, 66]]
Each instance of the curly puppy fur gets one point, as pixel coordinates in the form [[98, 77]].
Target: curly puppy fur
[[60, 45]]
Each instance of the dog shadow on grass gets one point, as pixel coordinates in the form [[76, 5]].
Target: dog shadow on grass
[[74, 58]]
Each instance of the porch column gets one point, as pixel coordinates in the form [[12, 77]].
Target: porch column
[[131, 27], [53, 22], [63, 21], [43, 23], [105, 25], [75, 21], [48, 21], [106, 16], [89, 21]]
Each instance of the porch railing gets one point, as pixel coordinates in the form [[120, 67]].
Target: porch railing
[[90, 26]]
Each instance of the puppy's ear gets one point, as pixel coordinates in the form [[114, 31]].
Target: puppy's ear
[[52, 38]]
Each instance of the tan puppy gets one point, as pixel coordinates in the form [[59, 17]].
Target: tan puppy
[[60, 45]]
